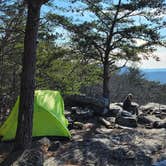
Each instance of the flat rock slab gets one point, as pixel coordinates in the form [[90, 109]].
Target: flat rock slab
[[121, 147]]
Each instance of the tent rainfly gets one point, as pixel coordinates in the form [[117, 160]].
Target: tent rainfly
[[48, 117]]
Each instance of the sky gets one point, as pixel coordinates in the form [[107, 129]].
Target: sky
[[152, 64]]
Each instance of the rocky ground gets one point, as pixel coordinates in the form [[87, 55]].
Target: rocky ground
[[116, 138]]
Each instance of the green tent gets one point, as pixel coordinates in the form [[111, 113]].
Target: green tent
[[48, 117]]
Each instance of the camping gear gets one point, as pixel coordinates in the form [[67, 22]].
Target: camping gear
[[48, 117]]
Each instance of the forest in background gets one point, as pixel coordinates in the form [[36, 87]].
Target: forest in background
[[69, 65], [75, 45]]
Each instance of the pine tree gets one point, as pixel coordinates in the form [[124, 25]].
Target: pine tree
[[25, 116], [109, 31]]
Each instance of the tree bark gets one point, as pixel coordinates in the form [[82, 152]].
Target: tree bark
[[13, 86], [106, 79], [25, 116], [106, 58]]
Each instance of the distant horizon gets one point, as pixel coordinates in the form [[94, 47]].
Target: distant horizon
[[152, 68], [152, 63], [152, 74]]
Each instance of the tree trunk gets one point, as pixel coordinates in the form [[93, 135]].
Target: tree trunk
[[106, 79], [1, 67], [13, 86], [25, 115]]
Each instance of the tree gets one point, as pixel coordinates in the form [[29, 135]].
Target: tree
[[55, 65], [118, 30], [25, 115], [133, 80], [12, 27]]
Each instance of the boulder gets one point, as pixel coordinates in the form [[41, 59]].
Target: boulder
[[159, 125], [160, 163], [114, 109], [77, 125], [125, 114], [144, 120], [126, 121], [153, 107], [122, 153], [125, 118], [86, 101], [31, 157], [88, 126], [44, 142], [50, 162], [54, 146], [105, 122], [152, 120], [85, 113]]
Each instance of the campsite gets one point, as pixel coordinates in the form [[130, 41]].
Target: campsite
[[82, 83], [95, 139]]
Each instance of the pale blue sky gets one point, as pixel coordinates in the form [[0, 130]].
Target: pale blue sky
[[151, 63]]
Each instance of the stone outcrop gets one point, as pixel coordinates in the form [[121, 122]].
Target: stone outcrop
[[116, 138]]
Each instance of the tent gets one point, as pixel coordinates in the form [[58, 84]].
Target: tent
[[48, 117]]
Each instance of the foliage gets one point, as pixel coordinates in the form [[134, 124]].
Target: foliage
[[59, 69], [12, 19], [77, 42], [115, 31], [133, 81]]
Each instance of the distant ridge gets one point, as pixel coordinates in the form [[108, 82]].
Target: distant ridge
[[158, 75], [154, 70]]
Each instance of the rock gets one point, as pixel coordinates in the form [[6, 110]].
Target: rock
[[88, 126], [31, 157], [144, 120], [143, 159], [106, 123], [114, 109], [111, 120], [111, 147], [126, 121], [152, 120], [160, 115], [76, 137], [50, 162], [153, 107], [77, 125], [135, 104], [162, 125], [45, 142], [160, 163], [85, 101], [125, 118], [54, 146], [122, 153], [85, 113], [74, 110], [125, 114], [157, 124], [122, 127]]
